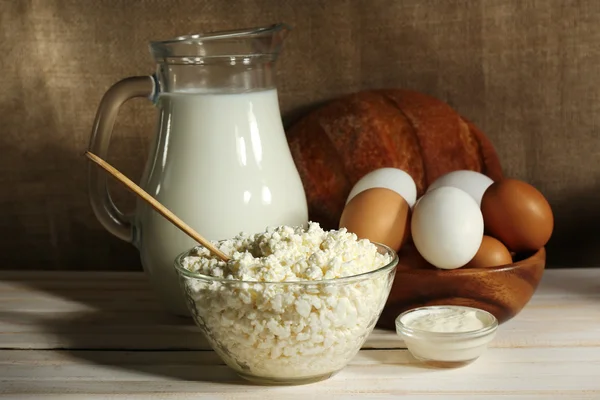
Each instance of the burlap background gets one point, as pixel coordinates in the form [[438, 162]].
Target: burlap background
[[526, 72]]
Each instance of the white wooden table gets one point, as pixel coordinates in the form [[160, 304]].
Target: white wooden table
[[83, 335]]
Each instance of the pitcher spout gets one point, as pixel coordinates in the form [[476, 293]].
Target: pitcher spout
[[232, 44], [234, 61]]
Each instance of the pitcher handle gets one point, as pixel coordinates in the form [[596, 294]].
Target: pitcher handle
[[104, 208]]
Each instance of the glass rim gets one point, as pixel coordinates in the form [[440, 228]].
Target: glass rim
[[197, 38], [403, 329], [364, 275]]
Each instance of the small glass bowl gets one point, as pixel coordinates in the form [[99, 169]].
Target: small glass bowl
[[446, 349]]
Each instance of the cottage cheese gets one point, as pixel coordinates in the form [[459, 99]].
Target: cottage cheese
[[270, 326]]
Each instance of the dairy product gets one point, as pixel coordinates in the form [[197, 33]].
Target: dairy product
[[447, 335], [279, 308], [444, 320], [222, 164]]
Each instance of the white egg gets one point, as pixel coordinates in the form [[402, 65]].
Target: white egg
[[472, 182], [447, 227], [390, 178]]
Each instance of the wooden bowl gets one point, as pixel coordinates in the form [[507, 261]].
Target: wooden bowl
[[503, 290]]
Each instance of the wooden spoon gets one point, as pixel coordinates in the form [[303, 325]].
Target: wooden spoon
[[165, 212]]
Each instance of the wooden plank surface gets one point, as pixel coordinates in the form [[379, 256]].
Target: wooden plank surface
[[381, 373], [99, 335]]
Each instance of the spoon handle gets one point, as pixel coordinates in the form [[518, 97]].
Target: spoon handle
[[165, 212]]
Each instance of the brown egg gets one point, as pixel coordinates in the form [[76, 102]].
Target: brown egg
[[491, 253], [380, 215], [517, 214]]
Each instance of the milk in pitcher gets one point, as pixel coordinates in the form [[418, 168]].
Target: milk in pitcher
[[222, 166]]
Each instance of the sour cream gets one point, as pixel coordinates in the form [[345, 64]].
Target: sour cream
[[447, 319], [446, 336]]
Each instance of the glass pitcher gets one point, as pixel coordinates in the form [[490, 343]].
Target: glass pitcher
[[220, 159]]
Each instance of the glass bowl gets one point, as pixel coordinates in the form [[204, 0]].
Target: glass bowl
[[446, 349], [287, 333]]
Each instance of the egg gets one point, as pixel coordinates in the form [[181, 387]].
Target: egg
[[472, 182], [491, 253], [380, 215], [518, 215], [447, 227], [390, 178]]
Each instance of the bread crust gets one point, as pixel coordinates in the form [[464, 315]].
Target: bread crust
[[337, 144]]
